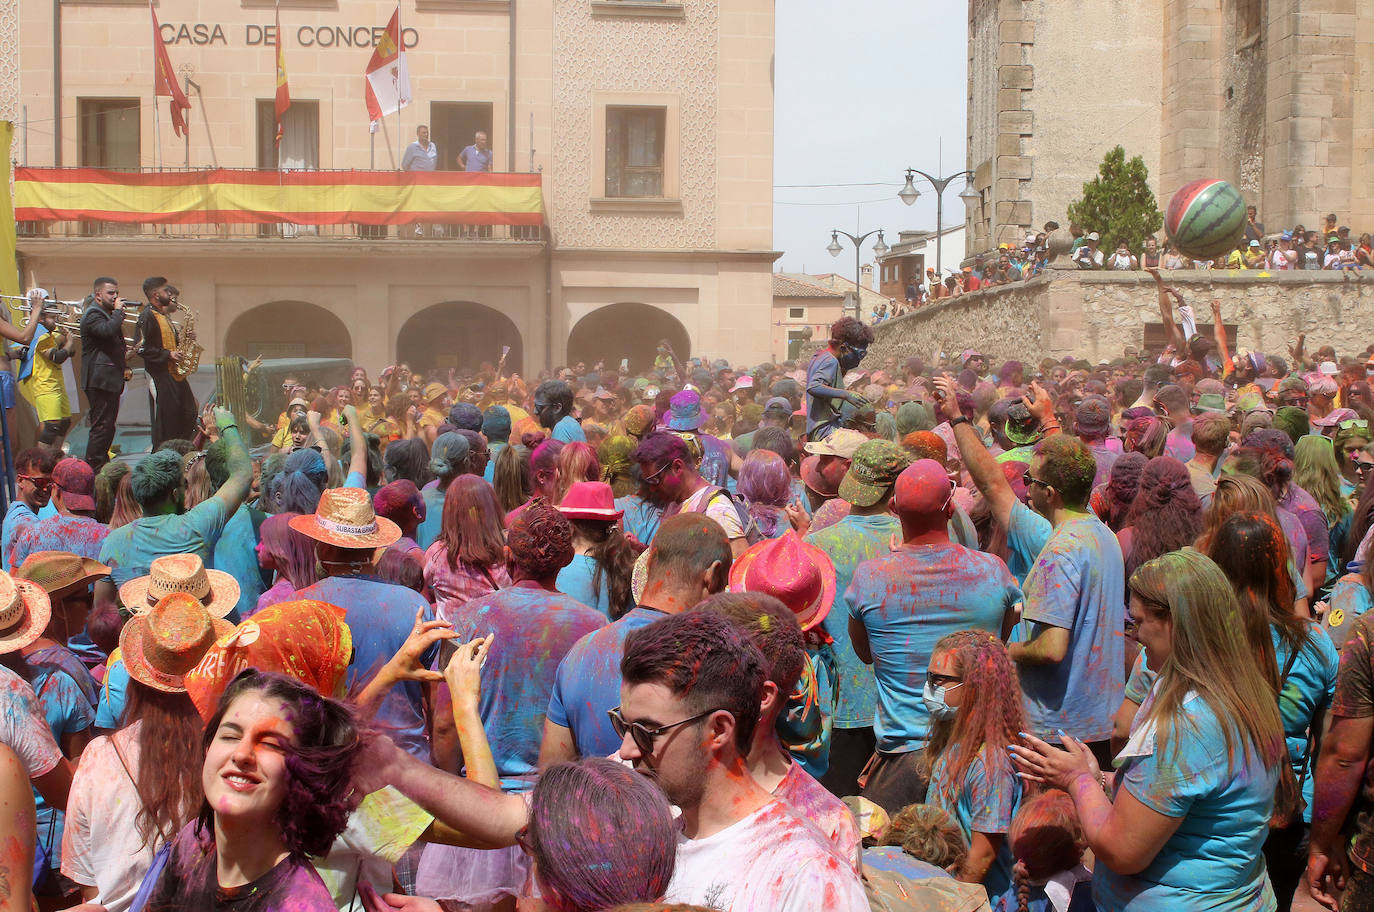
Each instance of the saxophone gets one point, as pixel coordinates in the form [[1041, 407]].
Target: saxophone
[[188, 346]]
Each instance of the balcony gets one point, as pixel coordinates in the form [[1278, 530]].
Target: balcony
[[280, 211]]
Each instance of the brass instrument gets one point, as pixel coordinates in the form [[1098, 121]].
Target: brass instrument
[[68, 313], [190, 349]]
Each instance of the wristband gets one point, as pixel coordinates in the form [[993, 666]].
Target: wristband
[[958, 420]]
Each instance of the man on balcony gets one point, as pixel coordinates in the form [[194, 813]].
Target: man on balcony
[[476, 157], [103, 366], [421, 155], [173, 402]]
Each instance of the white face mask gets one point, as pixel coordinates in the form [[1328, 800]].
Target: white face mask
[[934, 698]]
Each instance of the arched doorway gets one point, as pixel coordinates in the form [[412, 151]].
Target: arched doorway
[[630, 331], [459, 334], [288, 329]]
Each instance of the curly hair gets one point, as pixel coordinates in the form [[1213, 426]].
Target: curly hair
[[1118, 494], [849, 331], [325, 746], [540, 540], [928, 833], [989, 718], [1166, 514]]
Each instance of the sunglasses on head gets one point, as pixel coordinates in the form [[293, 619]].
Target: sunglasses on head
[[1353, 424]]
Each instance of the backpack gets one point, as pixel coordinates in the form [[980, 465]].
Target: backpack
[[752, 534]]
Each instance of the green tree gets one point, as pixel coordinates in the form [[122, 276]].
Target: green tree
[[1118, 204]]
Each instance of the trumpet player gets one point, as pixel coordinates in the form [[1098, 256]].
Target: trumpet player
[[173, 403], [103, 366], [41, 380], [21, 337]]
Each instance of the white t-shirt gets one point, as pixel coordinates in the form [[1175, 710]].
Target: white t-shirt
[[101, 847], [770, 860], [23, 728], [721, 509], [379, 832]]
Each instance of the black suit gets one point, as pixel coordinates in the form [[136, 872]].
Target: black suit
[[174, 410], [102, 377]]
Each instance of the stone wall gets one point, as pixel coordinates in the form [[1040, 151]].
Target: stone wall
[[1095, 315]]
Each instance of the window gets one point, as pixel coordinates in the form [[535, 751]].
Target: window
[[454, 126], [634, 151], [300, 142], [795, 339], [108, 132], [796, 313]]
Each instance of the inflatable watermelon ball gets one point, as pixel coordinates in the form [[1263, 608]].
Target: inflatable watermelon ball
[[1205, 219]]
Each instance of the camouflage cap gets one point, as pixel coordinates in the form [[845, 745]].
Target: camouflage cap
[[872, 472]]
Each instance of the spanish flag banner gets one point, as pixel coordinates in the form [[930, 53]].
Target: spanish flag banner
[[283, 100], [223, 196], [9, 266]]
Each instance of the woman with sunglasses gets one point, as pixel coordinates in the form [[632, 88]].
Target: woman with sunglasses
[[1354, 464], [1182, 822], [974, 698]]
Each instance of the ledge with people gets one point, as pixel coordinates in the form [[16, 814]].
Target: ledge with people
[[845, 634]]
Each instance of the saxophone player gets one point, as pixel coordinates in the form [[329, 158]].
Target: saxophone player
[[174, 411]]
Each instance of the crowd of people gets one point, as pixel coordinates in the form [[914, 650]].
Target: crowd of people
[[835, 635], [1333, 246]]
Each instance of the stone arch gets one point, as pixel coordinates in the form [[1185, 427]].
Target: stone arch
[[626, 330], [459, 334], [288, 329]]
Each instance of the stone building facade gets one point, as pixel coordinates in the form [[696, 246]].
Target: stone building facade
[[1276, 96], [1096, 315], [650, 123]]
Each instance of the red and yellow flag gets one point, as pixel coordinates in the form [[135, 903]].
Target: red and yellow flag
[[165, 80], [386, 79], [283, 102]]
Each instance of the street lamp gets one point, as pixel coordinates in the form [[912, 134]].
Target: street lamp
[[880, 249], [909, 194]]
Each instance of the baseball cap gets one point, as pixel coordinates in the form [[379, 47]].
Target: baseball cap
[[778, 406], [1093, 416], [1254, 243], [744, 382], [77, 481], [1329, 368], [1094, 236], [842, 442], [874, 468], [1210, 402]]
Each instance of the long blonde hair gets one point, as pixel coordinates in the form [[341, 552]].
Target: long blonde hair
[[1209, 654]]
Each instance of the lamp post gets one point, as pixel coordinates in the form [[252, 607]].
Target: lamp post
[[880, 249], [909, 194]]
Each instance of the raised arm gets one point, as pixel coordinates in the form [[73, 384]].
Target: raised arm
[[982, 467], [357, 443], [1219, 334], [235, 488], [1166, 312], [24, 336]]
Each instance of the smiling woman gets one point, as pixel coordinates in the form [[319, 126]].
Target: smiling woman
[[278, 765]]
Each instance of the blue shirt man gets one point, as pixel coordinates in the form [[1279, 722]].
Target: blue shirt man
[[476, 157], [825, 392], [1072, 662]]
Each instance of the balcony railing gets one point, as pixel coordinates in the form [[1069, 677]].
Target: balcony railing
[[250, 204]]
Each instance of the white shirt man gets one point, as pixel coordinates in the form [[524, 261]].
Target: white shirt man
[[421, 155]]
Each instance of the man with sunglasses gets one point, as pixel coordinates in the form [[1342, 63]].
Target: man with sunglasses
[[1072, 662], [901, 604], [667, 468], [689, 560], [691, 694], [825, 392], [33, 468], [74, 528]]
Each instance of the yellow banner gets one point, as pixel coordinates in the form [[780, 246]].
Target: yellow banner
[[301, 197], [9, 267]]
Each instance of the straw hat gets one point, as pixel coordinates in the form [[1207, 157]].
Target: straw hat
[[161, 646], [214, 589], [798, 574], [60, 572], [345, 518], [24, 612]]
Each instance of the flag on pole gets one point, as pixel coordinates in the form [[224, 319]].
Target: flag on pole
[[165, 80], [388, 80], [283, 102], [9, 267]]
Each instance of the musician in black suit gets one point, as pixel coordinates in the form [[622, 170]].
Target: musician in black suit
[[103, 366], [173, 403]]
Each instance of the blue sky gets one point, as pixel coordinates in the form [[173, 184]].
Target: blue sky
[[862, 91]]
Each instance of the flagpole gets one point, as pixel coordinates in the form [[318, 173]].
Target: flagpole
[[391, 150], [186, 134]]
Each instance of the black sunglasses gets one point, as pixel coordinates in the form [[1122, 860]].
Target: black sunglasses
[[1028, 481], [643, 736]]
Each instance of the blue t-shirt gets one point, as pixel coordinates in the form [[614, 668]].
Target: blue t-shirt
[[17, 517], [380, 616], [1078, 584], [534, 630], [1213, 861], [575, 580], [907, 601], [236, 554], [849, 543], [587, 684], [428, 531], [131, 549], [642, 518], [64, 688], [822, 414], [1307, 691], [715, 460], [984, 802], [568, 430], [1027, 534], [1080, 899], [494, 448], [114, 694], [1349, 599]]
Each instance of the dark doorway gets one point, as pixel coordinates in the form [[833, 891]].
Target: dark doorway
[[461, 335], [630, 331], [453, 124], [288, 329]]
